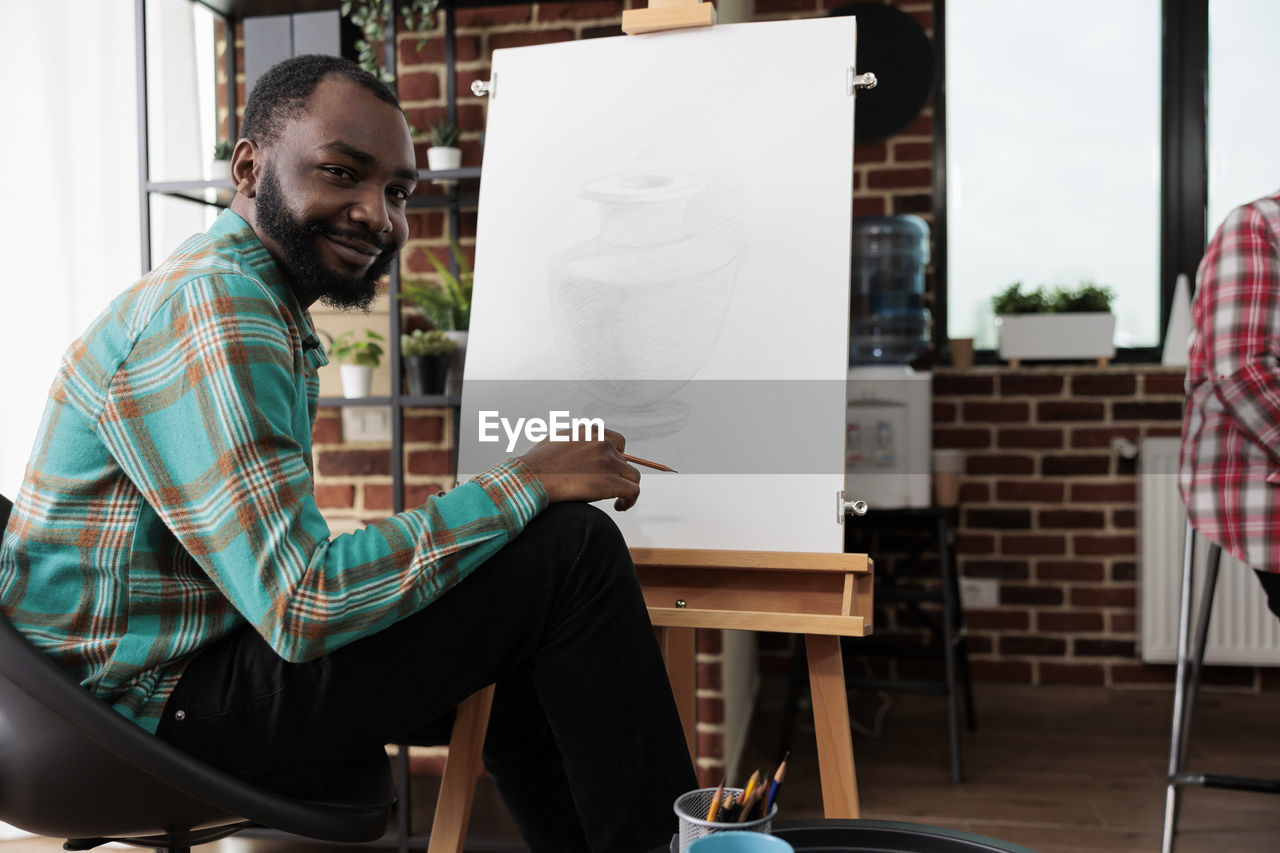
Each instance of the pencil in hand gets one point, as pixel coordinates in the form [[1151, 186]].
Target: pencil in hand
[[658, 466]]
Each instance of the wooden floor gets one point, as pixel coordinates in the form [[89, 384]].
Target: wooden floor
[[1056, 769]]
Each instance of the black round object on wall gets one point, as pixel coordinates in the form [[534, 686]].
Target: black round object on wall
[[892, 46]]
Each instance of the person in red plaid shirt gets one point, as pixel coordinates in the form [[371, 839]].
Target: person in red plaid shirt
[[1230, 461]]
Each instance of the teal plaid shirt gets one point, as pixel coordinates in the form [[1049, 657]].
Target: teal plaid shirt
[[169, 499]]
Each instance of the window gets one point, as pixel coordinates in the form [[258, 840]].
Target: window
[[1243, 123], [1053, 134]]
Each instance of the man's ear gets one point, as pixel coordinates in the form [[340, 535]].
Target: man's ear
[[246, 165]]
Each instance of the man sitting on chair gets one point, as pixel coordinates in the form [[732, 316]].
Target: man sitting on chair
[[166, 548], [1230, 467]]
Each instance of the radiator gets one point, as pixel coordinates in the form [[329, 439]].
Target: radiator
[[1242, 630]]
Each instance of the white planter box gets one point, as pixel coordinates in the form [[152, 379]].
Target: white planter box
[[1089, 334]]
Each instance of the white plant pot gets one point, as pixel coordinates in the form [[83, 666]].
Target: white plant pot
[[357, 380], [1088, 334], [219, 170], [440, 158]]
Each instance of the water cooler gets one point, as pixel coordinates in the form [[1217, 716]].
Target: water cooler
[[888, 446]]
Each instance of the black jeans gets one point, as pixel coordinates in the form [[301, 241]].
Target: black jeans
[[1271, 586], [584, 742]]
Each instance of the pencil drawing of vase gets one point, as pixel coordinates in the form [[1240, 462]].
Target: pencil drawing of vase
[[638, 307]]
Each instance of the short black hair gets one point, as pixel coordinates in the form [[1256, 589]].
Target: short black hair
[[281, 93]]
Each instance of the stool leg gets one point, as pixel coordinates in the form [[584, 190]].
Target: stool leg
[[404, 798], [796, 682], [949, 647], [461, 769], [1179, 690], [1190, 663], [1196, 664], [962, 636]]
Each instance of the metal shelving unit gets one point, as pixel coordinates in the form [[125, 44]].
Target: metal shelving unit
[[461, 191]]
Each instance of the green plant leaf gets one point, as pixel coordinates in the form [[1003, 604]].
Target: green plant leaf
[[357, 348], [434, 342]]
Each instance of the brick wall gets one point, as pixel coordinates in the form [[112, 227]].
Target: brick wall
[[353, 479], [1049, 511]]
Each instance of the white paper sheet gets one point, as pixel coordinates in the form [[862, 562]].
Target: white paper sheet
[[664, 243]]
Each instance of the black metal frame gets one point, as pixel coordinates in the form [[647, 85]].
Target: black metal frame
[[453, 198], [1184, 186]]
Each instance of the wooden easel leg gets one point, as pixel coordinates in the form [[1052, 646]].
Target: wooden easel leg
[[831, 723], [461, 769], [678, 652]]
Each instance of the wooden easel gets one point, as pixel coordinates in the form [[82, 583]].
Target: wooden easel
[[668, 15], [822, 596]]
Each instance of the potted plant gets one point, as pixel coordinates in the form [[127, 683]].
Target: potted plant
[[357, 354], [373, 18], [446, 304], [1062, 323], [426, 360], [444, 152], [220, 165]]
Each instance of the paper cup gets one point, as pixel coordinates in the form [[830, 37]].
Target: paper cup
[[961, 353], [948, 465]]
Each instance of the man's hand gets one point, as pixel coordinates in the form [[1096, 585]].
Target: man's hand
[[589, 470]]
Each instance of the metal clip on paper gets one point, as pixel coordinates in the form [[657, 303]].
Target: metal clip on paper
[[845, 507], [854, 80]]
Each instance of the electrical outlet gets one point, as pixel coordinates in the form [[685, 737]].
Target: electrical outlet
[[366, 423], [979, 592]]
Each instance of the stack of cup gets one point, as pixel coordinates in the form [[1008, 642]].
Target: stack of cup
[[948, 465]]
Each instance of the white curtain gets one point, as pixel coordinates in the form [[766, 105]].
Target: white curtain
[[69, 221], [70, 224]]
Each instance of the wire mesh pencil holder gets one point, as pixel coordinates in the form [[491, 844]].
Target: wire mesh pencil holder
[[691, 809]]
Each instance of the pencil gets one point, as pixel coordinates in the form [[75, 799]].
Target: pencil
[[726, 808], [750, 791], [777, 783], [715, 802], [655, 465]]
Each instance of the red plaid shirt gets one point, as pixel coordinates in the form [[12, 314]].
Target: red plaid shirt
[[1230, 472]]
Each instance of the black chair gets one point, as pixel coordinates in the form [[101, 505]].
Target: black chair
[[73, 768]]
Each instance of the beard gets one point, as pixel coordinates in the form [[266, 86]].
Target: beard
[[312, 280]]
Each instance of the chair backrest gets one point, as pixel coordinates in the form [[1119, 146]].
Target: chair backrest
[[72, 767]]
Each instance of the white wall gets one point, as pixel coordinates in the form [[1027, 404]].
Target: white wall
[[69, 222], [69, 229]]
